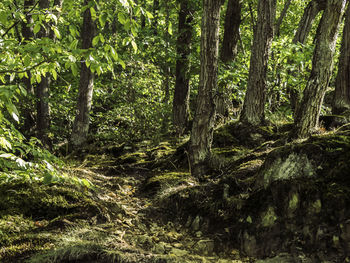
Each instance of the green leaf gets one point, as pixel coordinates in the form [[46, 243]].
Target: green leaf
[[37, 28], [57, 33], [122, 63], [93, 13], [102, 19], [95, 40], [74, 44], [27, 60], [5, 144], [170, 29], [74, 69], [7, 155], [134, 46], [121, 18], [114, 54]]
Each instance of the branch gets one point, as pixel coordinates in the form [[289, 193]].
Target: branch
[[24, 70], [17, 22]]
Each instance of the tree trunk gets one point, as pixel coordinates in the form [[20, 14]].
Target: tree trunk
[[305, 23], [27, 33], [42, 92], [306, 120], [86, 85], [254, 101], [155, 16], [281, 17], [341, 100], [181, 109], [231, 31], [203, 123], [167, 71]]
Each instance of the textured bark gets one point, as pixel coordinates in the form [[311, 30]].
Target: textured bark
[[42, 93], [203, 123], [254, 101], [181, 110], [305, 23], [155, 16], [307, 115], [231, 31], [341, 100], [281, 17], [27, 33], [86, 85]]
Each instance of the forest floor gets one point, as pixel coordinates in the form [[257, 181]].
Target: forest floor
[[265, 197], [116, 221]]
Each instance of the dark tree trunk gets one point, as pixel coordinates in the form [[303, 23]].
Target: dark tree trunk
[[341, 100], [155, 16], [181, 110], [305, 23], [231, 31], [254, 101], [203, 123], [307, 115], [86, 85], [281, 17], [42, 93], [166, 81], [27, 33]]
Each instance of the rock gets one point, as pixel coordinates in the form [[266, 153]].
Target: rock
[[204, 247], [282, 258], [196, 223], [178, 252], [159, 248]]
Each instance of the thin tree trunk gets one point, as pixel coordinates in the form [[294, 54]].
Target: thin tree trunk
[[86, 85], [181, 109], [254, 101], [307, 115], [281, 17], [203, 123], [231, 31], [42, 93], [27, 33], [341, 100], [155, 16], [166, 117], [305, 23]]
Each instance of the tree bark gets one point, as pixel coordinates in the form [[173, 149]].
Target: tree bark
[[254, 101], [231, 31], [203, 123], [155, 16], [341, 101], [305, 23], [42, 93], [307, 115], [281, 17], [181, 109], [86, 85], [27, 33]]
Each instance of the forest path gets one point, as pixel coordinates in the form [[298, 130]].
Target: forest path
[[135, 231]]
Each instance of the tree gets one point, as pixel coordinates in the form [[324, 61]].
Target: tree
[[307, 114], [231, 31], [254, 101], [181, 110], [281, 17], [341, 101], [42, 89], [203, 123], [86, 83]]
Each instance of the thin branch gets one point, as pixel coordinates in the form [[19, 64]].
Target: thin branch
[[17, 22], [281, 17], [24, 70]]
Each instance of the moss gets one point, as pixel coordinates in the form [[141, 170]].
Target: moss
[[170, 178], [132, 158], [269, 217]]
